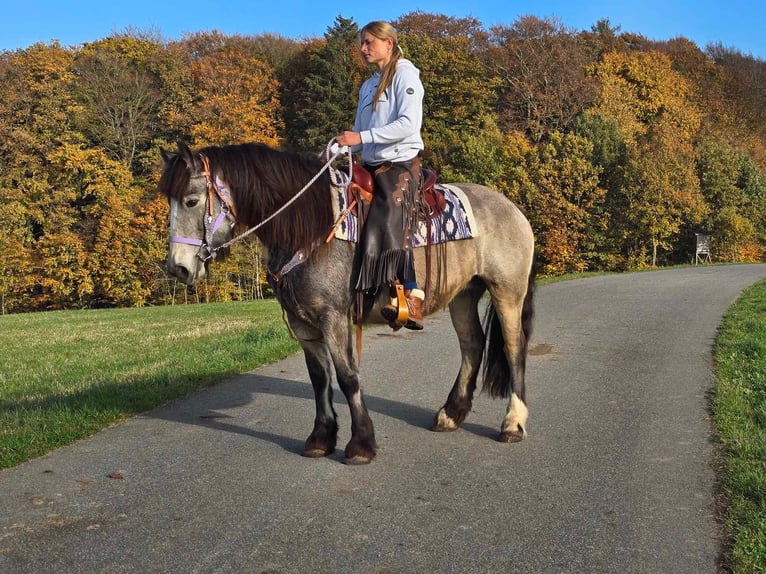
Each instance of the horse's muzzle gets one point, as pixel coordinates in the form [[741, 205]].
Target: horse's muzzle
[[188, 274]]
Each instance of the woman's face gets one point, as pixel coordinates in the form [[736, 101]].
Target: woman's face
[[376, 51]]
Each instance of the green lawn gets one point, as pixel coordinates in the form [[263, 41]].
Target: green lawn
[[65, 375]]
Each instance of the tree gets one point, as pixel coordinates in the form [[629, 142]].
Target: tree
[[87, 257], [275, 50], [37, 106], [743, 83], [120, 95], [459, 97], [15, 252], [440, 27], [649, 102], [735, 191], [477, 157], [557, 186], [602, 39], [237, 100], [610, 157], [150, 235], [541, 67], [37, 110], [321, 87]]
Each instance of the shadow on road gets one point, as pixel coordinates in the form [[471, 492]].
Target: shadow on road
[[213, 408]]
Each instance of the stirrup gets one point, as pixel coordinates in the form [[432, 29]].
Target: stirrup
[[396, 312], [401, 301]]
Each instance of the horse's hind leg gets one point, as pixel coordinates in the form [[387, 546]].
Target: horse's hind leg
[[321, 441], [465, 319], [506, 359]]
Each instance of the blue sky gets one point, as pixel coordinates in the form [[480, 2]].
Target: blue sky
[[739, 24]]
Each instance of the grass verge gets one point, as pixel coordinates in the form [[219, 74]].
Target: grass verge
[[65, 375], [739, 410]]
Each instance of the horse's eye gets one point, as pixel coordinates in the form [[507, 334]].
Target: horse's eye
[[191, 202]]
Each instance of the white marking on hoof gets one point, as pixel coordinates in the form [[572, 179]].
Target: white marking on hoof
[[516, 419], [444, 422]]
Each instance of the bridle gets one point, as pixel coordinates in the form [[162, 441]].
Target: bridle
[[216, 192]]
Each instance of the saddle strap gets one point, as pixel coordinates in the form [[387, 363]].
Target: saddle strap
[[428, 256], [359, 321], [341, 219]]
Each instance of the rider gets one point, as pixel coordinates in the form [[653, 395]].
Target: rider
[[389, 116]]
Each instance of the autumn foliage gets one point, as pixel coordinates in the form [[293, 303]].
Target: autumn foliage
[[618, 148]]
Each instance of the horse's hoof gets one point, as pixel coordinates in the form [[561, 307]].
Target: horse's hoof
[[359, 452], [444, 423], [317, 448], [357, 460], [511, 436], [316, 452]]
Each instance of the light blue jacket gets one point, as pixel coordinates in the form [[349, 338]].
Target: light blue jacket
[[392, 131]]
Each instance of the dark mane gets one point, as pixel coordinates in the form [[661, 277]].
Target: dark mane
[[261, 181]]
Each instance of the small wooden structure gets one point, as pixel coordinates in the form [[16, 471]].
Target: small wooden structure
[[702, 253]]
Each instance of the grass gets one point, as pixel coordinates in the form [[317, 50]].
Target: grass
[[739, 410], [65, 375]]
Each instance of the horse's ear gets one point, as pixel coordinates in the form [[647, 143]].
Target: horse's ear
[[167, 156], [185, 152]]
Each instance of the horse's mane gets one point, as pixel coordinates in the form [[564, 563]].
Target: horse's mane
[[261, 180]]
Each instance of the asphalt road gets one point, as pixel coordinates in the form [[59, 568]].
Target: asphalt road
[[615, 476]]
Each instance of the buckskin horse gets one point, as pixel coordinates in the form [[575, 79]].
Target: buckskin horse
[[212, 188]]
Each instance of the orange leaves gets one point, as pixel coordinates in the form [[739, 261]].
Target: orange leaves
[[237, 100], [84, 252], [641, 90]]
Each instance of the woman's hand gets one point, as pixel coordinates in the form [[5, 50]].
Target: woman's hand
[[349, 138]]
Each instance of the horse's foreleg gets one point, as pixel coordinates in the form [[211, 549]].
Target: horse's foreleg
[[465, 319], [322, 439], [361, 448]]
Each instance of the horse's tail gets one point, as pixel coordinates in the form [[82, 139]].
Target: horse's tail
[[498, 375]]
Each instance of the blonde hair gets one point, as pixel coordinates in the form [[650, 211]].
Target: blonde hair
[[384, 31]]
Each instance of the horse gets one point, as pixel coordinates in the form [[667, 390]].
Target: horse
[[211, 189]]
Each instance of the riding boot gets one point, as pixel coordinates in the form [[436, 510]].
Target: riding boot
[[415, 299]]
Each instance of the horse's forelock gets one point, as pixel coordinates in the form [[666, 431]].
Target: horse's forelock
[[174, 182]]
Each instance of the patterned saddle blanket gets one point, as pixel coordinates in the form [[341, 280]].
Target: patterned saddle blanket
[[456, 221]]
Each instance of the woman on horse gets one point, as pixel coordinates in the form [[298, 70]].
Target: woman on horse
[[389, 116]]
